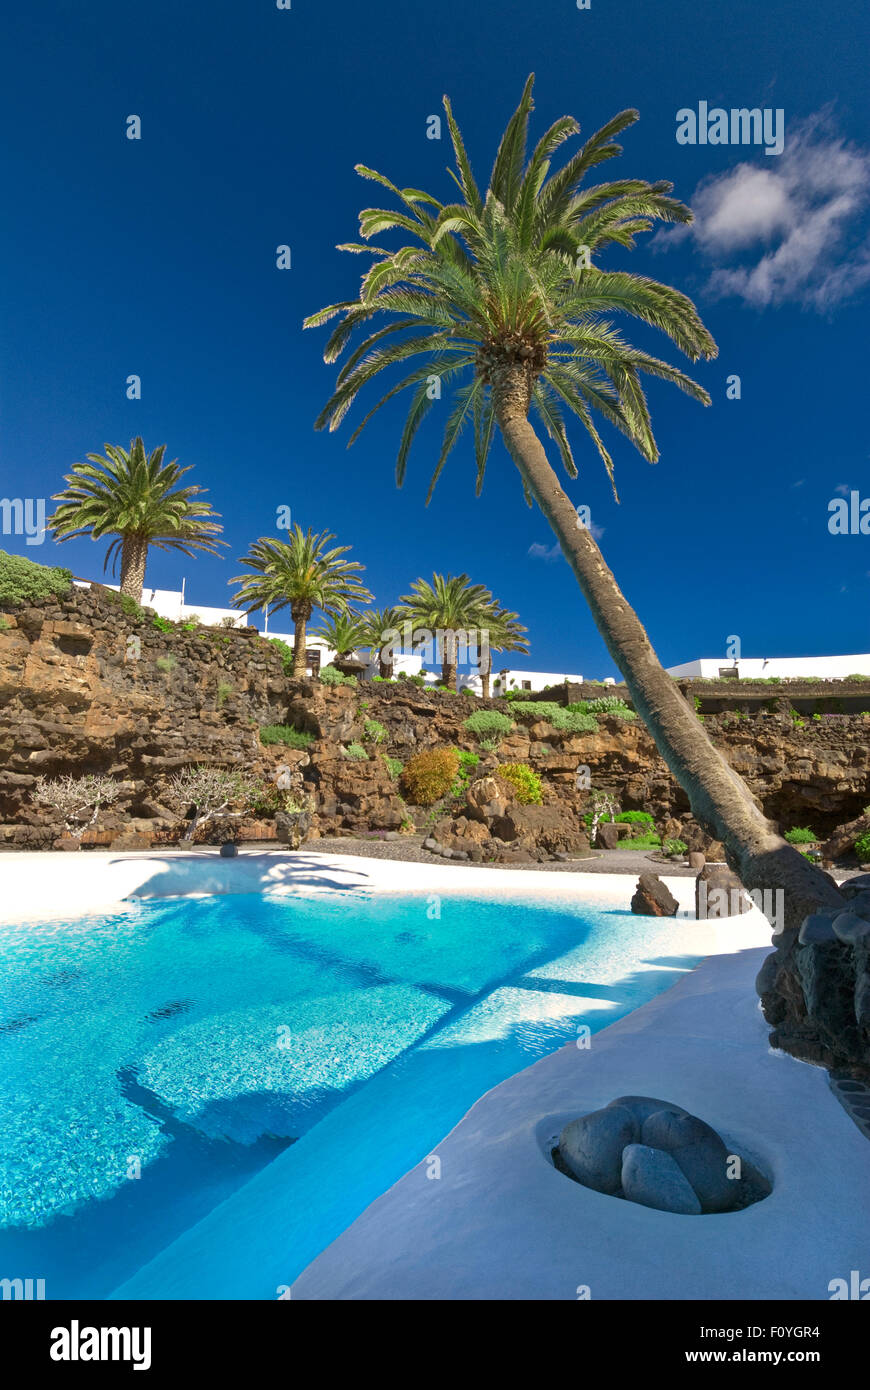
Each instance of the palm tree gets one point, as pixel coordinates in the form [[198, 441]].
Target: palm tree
[[447, 607], [300, 574], [498, 296], [343, 633], [134, 497], [503, 632], [381, 635]]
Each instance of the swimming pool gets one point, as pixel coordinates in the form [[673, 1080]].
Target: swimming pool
[[170, 1056]]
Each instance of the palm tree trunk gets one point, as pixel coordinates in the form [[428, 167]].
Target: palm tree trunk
[[385, 668], [484, 670], [720, 800], [299, 640], [134, 554], [448, 665]]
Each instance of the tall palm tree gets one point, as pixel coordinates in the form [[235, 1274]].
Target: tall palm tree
[[449, 606], [381, 629], [343, 633], [498, 296], [503, 632], [134, 497], [300, 574]]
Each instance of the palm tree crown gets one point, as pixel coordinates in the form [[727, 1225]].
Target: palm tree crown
[[448, 606], [382, 636], [135, 497], [343, 633], [507, 278], [300, 574], [503, 632]]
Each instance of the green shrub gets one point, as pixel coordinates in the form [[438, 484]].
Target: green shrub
[[162, 624], [467, 763], [23, 581], [605, 704], [374, 731], [166, 664], [486, 723], [650, 841], [862, 847], [526, 783], [286, 734], [489, 745], [286, 654], [633, 818], [569, 720], [799, 835], [428, 776], [394, 767], [4, 623], [131, 607], [330, 675], [674, 847], [224, 691], [355, 751]]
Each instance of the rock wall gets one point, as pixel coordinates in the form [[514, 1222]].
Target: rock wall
[[86, 688]]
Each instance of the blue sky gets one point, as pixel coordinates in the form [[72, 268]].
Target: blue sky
[[157, 257]]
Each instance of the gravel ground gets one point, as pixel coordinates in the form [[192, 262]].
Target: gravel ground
[[410, 849]]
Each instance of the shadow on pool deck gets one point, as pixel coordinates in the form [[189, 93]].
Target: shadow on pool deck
[[182, 874]]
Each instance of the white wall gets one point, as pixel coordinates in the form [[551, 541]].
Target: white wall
[[825, 667], [167, 603], [513, 680]]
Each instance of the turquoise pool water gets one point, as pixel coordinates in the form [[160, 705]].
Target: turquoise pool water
[[174, 1055]]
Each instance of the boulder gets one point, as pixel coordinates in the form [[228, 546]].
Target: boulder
[[698, 1151], [652, 898], [653, 1178], [607, 835], [719, 893], [842, 840], [591, 1147], [486, 799]]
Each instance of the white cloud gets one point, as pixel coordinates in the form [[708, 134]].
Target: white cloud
[[550, 553], [843, 489], [791, 230]]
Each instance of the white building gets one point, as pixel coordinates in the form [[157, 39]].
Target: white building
[[170, 603], [503, 681], [784, 667]]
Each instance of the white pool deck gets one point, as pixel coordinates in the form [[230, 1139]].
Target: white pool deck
[[500, 1222]]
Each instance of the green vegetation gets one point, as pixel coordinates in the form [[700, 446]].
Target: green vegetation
[[134, 497], [606, 704], [862, 847], [673, 847], [4, 623], [374, 731], [23, 581], [286, 734], [452, 606], [428, 776], [526, 783], [163, 624], [166, 664], [224, 691], [488, 723], [355, 751], [394, 767], [489, 745], [650, 841], [286, 653], [800, 835], [330, 675], [572, 719]]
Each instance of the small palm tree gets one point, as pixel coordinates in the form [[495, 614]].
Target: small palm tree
[[502, 632], [343, 633], [300, 574], [134, 497], [381, 629], [447, 607], [497, 296]]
